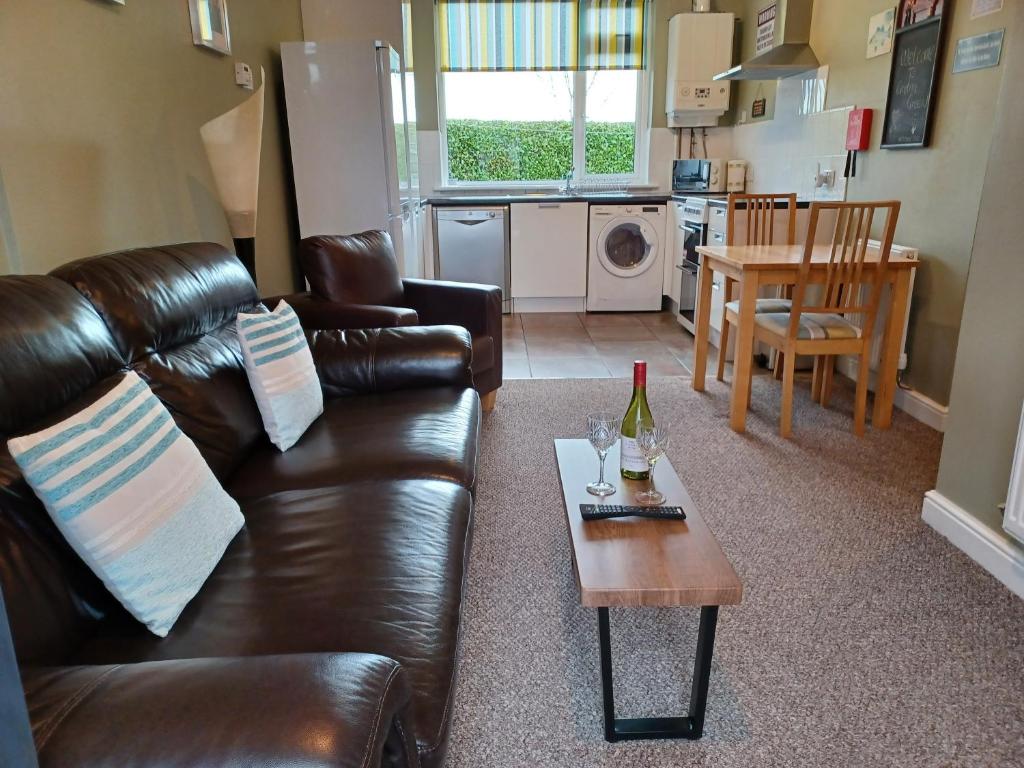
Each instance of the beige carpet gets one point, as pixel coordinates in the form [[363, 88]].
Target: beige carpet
[[864, 638]]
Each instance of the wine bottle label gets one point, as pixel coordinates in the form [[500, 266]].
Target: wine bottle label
[[630, 457]]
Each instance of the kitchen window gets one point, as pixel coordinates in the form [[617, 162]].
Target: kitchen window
[[533, 90]]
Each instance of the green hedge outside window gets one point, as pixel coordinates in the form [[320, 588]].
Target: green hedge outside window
[[507, 150]]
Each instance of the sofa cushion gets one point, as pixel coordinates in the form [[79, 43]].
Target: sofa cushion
[[172, 310], [309, 710], [372, 567], [54, 351], [281, 372], [53, 347], [154, 299], [134, 498], [419, 433]]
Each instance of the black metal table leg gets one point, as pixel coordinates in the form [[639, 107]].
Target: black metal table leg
[[689, 727]]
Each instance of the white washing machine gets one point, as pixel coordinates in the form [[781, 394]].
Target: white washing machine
[[625, 272]]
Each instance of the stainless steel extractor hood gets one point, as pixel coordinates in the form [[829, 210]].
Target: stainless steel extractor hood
[[790, 52]]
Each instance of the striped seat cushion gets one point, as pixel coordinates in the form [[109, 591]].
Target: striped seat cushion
[[812, 326], [281, 373], [763, 305], [134, 498]]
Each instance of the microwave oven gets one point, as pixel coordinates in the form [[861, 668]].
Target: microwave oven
[[699, 175]]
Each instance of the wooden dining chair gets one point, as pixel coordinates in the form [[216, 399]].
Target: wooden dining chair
[[826, 331], [761, 229]]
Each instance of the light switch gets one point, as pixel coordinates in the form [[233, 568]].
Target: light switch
[[243, 76]]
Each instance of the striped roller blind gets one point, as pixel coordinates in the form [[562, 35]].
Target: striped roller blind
[[611, 34], [510, 35]]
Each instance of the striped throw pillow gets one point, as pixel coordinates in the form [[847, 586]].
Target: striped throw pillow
[[281, 373], [134, 498]]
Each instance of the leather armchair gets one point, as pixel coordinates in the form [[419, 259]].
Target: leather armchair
[[355, 283]]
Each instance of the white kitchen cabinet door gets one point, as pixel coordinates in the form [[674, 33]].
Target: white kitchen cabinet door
[[549, 250], [674, 239]]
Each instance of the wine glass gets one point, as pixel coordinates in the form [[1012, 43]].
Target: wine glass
[[602, 432], [651, 443]]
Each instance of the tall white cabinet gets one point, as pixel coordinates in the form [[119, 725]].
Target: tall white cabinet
[[549, 256]]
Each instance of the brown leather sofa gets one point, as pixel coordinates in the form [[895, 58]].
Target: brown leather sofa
[[354, 283], [328, 633]]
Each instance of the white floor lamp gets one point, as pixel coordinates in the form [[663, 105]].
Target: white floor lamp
[[233, 142]]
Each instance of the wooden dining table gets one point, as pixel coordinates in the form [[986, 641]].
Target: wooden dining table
[[755, 266]]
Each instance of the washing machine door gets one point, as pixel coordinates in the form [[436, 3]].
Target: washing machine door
[[627, 246]]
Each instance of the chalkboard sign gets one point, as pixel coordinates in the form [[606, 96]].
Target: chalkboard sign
[[915, 64]]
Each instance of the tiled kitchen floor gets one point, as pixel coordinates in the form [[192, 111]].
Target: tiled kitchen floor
[[571, 345]]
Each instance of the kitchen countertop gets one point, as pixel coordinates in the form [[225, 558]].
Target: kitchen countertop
[[721, 200], [601, 198]]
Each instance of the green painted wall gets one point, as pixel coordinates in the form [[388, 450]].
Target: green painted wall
[[988, 384], [940, 186], [99, 139]]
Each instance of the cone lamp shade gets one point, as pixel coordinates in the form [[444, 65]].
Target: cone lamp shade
[[233, 142]]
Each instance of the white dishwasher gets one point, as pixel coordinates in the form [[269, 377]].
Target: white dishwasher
[[471, 245]]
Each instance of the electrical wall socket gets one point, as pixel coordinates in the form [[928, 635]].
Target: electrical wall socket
[[243, 76]]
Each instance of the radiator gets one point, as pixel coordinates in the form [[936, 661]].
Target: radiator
[[878, 332]]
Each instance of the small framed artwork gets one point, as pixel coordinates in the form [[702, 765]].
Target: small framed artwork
[[210, 24], [880, 31], [915, 11]]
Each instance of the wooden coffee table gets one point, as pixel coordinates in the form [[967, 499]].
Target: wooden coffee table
[[642, 562]]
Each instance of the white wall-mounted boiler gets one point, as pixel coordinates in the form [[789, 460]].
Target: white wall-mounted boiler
[[699, 47]]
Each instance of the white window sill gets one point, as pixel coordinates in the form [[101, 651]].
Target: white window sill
[[486, 189]]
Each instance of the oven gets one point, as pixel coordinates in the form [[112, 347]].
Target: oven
[[692, 217]]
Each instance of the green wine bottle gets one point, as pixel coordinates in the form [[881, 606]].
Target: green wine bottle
[[632, 464]]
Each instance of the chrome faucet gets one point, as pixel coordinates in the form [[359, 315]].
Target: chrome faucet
[[567, 185]]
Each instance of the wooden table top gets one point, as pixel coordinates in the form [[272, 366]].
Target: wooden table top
[[638, 561], [785, 256]]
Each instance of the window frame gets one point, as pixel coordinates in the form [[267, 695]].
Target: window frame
[[641, 145]]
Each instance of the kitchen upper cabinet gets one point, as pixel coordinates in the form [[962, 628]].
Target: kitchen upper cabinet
[[549, 249]]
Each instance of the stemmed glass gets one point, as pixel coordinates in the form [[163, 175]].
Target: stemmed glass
[[602, 432], [652, 444]]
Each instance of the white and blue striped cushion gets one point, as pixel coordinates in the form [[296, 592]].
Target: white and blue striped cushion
[[281, 373], [134, 498]]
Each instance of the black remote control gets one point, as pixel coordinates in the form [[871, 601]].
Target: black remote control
[[607, 511]]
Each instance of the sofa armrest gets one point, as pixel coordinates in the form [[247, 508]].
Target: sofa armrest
[[317, 313], [475, 307], [388, 359], [345, 709]]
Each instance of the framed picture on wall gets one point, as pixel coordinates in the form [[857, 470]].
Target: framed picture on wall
[[913, 11], [210, 24]]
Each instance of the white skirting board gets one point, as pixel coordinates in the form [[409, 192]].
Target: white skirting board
[[551, 304], [995, 554], [910, 401]]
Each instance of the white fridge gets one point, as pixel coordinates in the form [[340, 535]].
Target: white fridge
[[352, 146]]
